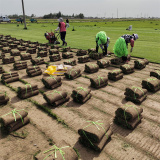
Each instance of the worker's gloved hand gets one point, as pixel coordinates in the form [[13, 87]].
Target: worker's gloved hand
[[131, 49], [101, 46]]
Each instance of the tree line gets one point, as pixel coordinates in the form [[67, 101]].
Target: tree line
[[50, 16]]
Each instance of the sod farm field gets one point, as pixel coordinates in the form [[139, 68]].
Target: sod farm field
[[101, 109], [147, 46]]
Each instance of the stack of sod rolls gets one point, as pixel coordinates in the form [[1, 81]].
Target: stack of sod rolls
[[103, 63], [115, 75], [152, 84], [42, 48], [155, 73], [55, 98], [17, 42], [9, 77], [61, 151], [53, 51], [67, 55], [95, 134], [127, 69], [128, 116], [21, 48], [55, 57], [31, 50], [67, 49], [139, 64], [98, 81], [6, 49], [135, 94], [83, 59], [73, 73], [25, 56], [3, 98], [33, 46], [116, 60], [20, 65], [14, 120], [70, 62], [42, 54], [81, 95], [146, 61], [15, 52], [55, 47], [2, 55], [33, 71], [91, 68], [7, 60], [27, 91], [13, 46], [25, 44], [92, 50], [37, 61], [52, 82], [81, 52], [1, 70], [96, 55]]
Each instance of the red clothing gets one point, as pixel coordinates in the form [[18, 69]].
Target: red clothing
[[62, 26], [132, 42]]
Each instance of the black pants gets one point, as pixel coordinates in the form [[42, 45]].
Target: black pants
[[63, 35], [105, 48]]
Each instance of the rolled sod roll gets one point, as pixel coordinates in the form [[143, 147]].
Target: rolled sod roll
[[116, 60], [7, 60], [99, 81], [55, 57], [52, 82], [69, 153], [96, 146], [136, 100], [128, 124], [9, 80], [146, 61], [67, 55], [67, 49], [76, 99], [16, 125], [95, 55], [94, 131], [155, 73], [6, 50], [15, 52], [25, 56], [42, 54], [9, 75], [73, 73], [27, 88], [139, 64], [42, 48], [151, 84], [91, 68], [37, 61], [92, 50], [13, 46], [9, 118], [31, 50], [20, 65], [135, 92], [53, 51], [81, 52], [115, 78], [103, 63], [81, 92], [70, 62], [128, 112], [115, 72], [83, 59], [21, 48], [126, 68]]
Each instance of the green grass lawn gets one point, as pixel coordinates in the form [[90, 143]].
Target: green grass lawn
[[147, 46]]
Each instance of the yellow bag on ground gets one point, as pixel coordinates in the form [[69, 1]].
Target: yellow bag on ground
[[57, 69]]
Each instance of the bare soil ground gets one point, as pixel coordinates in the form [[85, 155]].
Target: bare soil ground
[[45, 130]]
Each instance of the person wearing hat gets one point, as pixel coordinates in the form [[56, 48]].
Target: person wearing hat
[[121, 46], [103, 41], [62, 28]]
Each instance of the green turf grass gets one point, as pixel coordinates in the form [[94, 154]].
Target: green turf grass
[[147, 46]]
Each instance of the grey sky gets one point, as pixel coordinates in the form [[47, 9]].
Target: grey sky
[[100, 8]]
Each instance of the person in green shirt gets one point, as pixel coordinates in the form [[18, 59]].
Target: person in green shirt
[[103, 41]]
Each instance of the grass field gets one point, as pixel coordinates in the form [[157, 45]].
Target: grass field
[[147, 46]]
